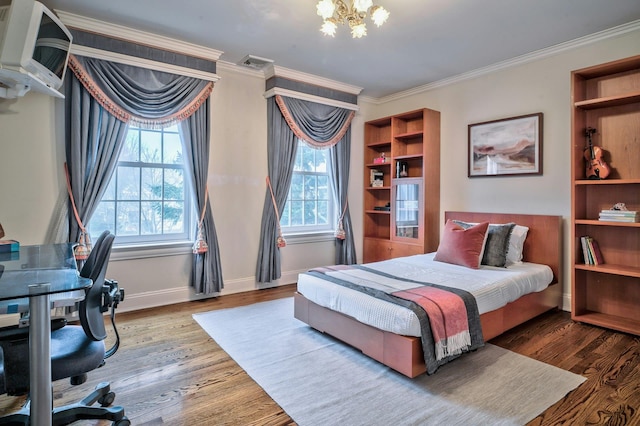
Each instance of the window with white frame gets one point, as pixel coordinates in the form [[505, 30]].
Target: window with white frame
[[147, 200], [310, 202]]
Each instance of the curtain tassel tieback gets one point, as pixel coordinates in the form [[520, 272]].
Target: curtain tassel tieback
[[83, 249], [340, 232], [280, 241], [201, 246]]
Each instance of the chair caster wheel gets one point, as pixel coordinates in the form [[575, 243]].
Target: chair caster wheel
[[122, 422], [107, 399]]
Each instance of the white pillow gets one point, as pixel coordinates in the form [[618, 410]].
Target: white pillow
[[516, 244]]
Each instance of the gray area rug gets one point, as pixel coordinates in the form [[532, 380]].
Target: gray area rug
[[318, 380]]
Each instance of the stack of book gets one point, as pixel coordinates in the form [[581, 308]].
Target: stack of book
[[619, 216], [591, 251]]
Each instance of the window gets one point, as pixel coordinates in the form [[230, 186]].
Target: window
[[310, 204], [146, 200]]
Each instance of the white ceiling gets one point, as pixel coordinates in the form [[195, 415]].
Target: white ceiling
[[423, 41]]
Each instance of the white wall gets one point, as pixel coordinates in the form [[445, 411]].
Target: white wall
[[542, 85], [32, 155]]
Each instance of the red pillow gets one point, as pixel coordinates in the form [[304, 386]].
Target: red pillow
[[462, 246]]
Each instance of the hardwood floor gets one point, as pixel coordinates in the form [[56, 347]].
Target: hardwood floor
[[169, 372]]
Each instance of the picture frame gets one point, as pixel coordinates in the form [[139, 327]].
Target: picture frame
[[506, 147]]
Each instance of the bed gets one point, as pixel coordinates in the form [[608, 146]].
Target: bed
[[403, 351]]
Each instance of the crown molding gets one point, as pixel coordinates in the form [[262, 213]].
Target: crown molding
[[120, 32], [274, 70], [519, 60], [311, 98]]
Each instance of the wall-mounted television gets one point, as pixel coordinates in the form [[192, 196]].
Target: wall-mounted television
[[34, 48]]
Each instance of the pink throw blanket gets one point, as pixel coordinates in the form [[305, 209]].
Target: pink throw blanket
[[448, 318]]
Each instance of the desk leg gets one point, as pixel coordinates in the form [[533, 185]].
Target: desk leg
[[40, 360]]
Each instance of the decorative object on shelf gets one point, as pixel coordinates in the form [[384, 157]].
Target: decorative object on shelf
[[377, 178], [596, 168], [510, 146], [385, 208], [402, 169], [619, 206], [335, 12], [381, 159]]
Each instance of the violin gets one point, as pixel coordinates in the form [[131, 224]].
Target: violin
[[596, 167]]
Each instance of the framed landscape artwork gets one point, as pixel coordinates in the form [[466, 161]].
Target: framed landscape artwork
[[506, 147]]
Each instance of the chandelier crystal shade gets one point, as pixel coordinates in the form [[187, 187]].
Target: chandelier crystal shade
[[334, 12]]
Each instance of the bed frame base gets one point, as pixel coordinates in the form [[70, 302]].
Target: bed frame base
[[543, 245], [404, 353]]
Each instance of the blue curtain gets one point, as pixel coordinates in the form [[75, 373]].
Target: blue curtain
[[101, 99], [206, 274], [323, 127]]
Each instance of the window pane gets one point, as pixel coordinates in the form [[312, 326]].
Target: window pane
[[173, 217], [310, 192], [110, 192], [104, 218], [323, 213], [172, 149], [308, 159], [296, 213], [128, 183], [321, 160], [323, 187], [297, 190], [151, 184], [151, 218], [297, 164], [173, 184], [309, 212], [285, 218], [151, 147], [131, 146], [128, 216]]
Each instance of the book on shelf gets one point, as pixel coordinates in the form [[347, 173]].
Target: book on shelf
[[597, 254], [619, 216], [591, 251], [614, 217]]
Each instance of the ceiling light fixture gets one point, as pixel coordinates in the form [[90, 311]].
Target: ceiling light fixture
[[335, 12]]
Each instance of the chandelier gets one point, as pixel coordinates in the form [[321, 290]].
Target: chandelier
[[336, 12]]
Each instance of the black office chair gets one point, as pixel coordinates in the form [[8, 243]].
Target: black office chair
[[75, 350]]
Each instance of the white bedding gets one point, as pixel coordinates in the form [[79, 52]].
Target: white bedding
[[492, 287]]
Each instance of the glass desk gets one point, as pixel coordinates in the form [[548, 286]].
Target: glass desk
[[32, 276]]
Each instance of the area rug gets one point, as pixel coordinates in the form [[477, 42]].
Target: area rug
[[318, 380]]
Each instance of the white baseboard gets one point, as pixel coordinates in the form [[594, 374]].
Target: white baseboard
[[152, 299]]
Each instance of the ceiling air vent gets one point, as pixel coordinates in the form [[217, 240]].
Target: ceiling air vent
[[254, 62]]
